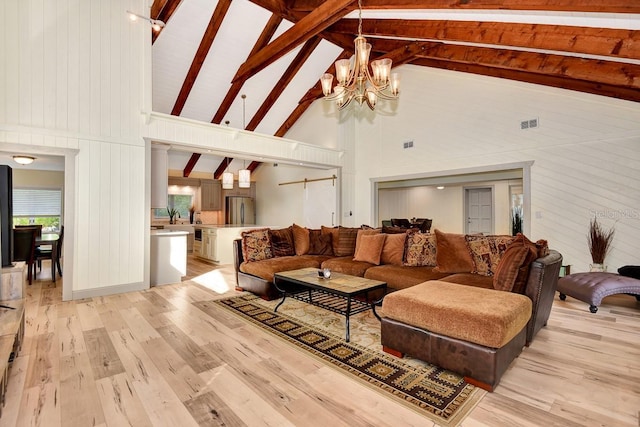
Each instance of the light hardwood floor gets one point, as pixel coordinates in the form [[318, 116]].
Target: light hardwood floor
[[151, 358]]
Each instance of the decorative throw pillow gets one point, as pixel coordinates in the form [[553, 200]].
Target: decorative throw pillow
[[319, 243], [256, 245], [346, 241], [370, 248], [513, 270], [282, 242], [393, 249], [420, 250], [452, 255], [335, 236], [301, 240], [486, 252], [364, 232]]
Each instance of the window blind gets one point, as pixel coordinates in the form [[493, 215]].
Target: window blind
[[37, 202]]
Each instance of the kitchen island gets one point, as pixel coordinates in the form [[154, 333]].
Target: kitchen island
[[217, 243], [168, 256]]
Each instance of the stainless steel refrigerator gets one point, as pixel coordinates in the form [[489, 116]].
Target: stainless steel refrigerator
[[240, 210]]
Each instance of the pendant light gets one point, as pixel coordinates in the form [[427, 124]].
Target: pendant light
[[227, 177], [244, 174]]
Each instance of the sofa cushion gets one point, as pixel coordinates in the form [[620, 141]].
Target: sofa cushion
[[393, 249], [470, 279], [282, 242], [370, 248], [452, 254], [482, 316], [301, 239], [256, 245], [400, 277], [347, 265], [265, 269], [420, 250], [319, 243], [486, 252]]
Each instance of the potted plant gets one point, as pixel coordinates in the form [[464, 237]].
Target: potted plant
[[599, 241], [172, 213]]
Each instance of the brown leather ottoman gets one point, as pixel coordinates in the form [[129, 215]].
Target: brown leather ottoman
[[593, 287], [473, 331]]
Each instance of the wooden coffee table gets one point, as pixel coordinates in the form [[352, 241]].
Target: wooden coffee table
[[337, 294]]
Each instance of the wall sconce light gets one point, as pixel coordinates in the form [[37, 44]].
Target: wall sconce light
[[23, 160], [156, 24]]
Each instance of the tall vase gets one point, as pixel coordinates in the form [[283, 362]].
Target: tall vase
[[191, 217], [597, 267]]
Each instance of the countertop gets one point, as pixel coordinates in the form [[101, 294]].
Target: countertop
[[166, 233]]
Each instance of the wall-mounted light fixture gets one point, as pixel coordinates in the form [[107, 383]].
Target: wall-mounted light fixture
[[156, 24], [23, 160]]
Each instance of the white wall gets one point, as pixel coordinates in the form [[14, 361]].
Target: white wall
[[74, 78], [282, 205], [585, 151]]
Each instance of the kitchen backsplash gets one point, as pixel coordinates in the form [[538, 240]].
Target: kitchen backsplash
[[212, 217]]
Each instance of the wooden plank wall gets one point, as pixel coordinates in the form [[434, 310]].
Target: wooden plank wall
[[73, 76]]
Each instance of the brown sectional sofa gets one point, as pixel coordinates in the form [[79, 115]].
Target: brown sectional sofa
[[450, 260]]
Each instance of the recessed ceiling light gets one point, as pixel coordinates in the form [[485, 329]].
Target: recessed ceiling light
[[440, 187], [23, 160]]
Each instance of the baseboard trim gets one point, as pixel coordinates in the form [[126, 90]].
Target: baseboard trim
[[108, 290]]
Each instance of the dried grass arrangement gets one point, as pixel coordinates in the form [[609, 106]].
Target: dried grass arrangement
[[599, 241]]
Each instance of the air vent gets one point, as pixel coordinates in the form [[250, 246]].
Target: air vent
[[529, 124]]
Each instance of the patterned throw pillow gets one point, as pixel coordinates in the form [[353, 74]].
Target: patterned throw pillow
[[420, 250], [346, 241], [256, 245], [282, 242], [486, 252]]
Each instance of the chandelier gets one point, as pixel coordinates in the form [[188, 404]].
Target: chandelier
[[354, 79]]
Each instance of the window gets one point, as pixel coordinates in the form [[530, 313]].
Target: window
[[181, 202], [37, 206]]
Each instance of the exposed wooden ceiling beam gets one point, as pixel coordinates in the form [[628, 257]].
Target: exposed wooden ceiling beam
[[201, 54], [311, 25], [534, 78], [287, 76], [593, 41], [162, 10], [253, 166], [190, 164], [597, 71], [221, 167], [266, 35], [608, 6]]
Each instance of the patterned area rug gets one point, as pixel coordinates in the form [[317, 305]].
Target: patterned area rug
[[438, 394]]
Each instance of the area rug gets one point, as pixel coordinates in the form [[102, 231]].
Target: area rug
[[440, 395]]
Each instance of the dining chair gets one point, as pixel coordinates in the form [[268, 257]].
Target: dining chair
[[24, 247], [43, 253], [386, 223], [425, 224], [401, 222]]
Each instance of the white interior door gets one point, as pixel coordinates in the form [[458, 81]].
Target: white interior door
[[479, 209], [320, 203]]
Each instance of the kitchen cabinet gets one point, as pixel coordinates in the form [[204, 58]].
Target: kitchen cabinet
[[209, 249], [241, 192], [210, 195]]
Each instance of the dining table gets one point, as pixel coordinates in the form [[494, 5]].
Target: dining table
[[51, 239]]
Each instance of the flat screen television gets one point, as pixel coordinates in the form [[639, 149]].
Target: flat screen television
[[6, 214]]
